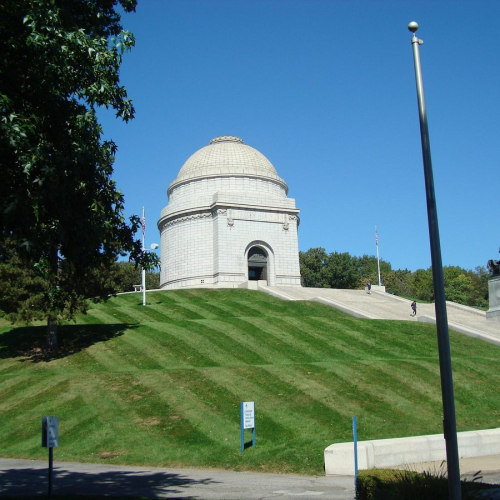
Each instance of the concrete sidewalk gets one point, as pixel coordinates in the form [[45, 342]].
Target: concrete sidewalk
[[381, 305], [24, 477]]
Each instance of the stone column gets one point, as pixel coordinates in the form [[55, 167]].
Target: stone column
[[493, 314]]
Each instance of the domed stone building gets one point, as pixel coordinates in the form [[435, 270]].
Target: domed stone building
[[228, 221]]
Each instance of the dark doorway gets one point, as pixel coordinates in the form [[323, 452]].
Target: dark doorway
[[257, 264]]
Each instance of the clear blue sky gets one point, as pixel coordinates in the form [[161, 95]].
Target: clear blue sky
[[325, 89]]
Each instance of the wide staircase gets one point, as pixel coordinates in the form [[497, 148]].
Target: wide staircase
[[381, 305]]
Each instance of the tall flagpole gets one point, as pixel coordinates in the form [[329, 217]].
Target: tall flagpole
[[143, 221], [449, 418], [378, 259]]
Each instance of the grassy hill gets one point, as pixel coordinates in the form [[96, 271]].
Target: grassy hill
[[161, 385]]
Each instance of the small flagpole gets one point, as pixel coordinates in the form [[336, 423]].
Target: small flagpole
[[143, 221], [378, 259]]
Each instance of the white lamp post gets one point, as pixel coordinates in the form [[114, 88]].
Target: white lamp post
[[153, 246]]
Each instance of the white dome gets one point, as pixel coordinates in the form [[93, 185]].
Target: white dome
[[226, 156]]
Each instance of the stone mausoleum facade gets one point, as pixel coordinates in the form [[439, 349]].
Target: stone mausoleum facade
[[228, 221]]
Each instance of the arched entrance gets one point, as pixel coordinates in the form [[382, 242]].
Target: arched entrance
[[257, 264]]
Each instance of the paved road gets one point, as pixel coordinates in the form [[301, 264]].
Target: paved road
[[23, 477]]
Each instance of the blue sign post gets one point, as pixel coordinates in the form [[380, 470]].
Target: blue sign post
[[247, 410], [355, 433]]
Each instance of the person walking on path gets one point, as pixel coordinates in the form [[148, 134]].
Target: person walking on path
[[369, 287], [413, 308]]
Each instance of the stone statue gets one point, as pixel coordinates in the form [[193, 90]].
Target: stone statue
[[494, 267]]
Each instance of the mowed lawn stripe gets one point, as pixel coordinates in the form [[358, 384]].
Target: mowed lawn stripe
[[159, 313], [179, 341], [399, 399], [283, 407], [318, 334], [215, 399], [300, 402], [159, 350], [13, 385], [466, 382], [299, 338], [250, 384], [367, 344], [253, 352], [19, 418], [352, 396], [206, 341], [210, 305], [22, 394], [192, 309], [228, 348], [88, 319], [480, 365], [250, 304], [192, 405], [354, 338], [190, 431], [178, 309], [96, 423], [302, 396], [104, 356], [281, 348], [105, 316], [136, 409], [148, 313], [418, 379]]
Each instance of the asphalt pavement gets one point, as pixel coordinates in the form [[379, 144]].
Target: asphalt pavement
[[25, 477]]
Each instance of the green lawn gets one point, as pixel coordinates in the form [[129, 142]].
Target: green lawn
[[161, 385]]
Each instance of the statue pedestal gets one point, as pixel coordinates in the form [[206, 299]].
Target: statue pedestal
[[493, 314]]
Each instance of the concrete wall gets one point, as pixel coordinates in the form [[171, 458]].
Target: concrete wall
[[186, 251], [494, 293], [339, 458]]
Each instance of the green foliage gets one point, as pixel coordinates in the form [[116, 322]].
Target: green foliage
[[341, 270], [422, 285], [398, 282], [338, 270], [479, 290], [24, 288], [312, 264], [60, 61], [368, 269], [126, 275], [389, 484], [459, 289]]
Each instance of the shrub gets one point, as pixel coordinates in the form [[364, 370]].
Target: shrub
[[388, 484]]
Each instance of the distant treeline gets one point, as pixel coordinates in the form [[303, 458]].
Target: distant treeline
[[126, 275], [342, 270]]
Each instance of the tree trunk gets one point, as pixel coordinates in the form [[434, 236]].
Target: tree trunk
[[52, 342], [52, 333]]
